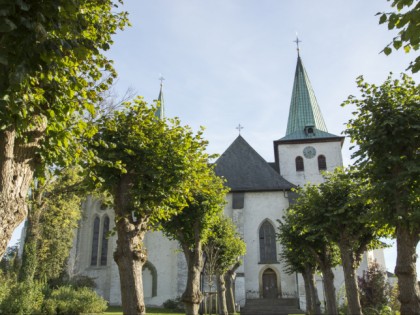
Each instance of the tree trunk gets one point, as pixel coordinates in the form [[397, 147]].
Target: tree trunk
[[192, 295], [405, 270], [230, 294], [316, 304], [308, 293], [130, 254], [329, 289], [17, 164], [221, 294], [349, 269], [31, 244]]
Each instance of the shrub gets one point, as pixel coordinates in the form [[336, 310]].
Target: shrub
[[69, 300], [174, 304], [23, 298]]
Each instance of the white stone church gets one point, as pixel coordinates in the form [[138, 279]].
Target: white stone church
[[259, 195]]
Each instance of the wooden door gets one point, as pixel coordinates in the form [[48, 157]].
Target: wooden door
[[269, 282]]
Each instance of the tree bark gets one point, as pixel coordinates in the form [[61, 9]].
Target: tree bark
[[316, 304], [192, 295], [405, 269], [329, 289], [130, 254], [221, 294], [308, 293], [230, 294], [349, 269], [17, 165]]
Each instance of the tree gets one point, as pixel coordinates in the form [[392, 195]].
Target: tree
[[223, 249], [51, 63], [407, 21], [386, 130], [301, 261], [375, 291], [300, 216], [150, 167], [191, 229], [54, 212]]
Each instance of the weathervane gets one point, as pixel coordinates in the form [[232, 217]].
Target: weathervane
[[297, 41], [239, 128]]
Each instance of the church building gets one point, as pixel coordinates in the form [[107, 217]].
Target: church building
[[260, 193]]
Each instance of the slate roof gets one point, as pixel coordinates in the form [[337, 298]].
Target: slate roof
[[245, 170], [160, 111], [304, 110]]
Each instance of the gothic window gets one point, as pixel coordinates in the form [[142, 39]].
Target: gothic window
[[322, 163], [299, 164], [149, 279], [104, 247], [95, 242], [268, 252]]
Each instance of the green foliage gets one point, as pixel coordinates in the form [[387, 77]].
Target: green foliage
[[53, 67], [55, 209], [174, 304], [68, 300], [159, 161], [374, 290], [386, 131], [407, 20], [224, 246], [23, 298]]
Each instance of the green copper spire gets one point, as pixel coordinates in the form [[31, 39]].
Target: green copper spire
[[160, 111], [304, 113]]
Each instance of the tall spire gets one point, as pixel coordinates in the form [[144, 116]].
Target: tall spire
[[304, 114], [160, 111]]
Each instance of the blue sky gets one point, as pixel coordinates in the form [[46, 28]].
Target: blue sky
[[227, 62]]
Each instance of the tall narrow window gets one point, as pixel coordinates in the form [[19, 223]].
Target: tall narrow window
[[95, 242], [299, 164], [322, 163], [268, 252], [104, 247]]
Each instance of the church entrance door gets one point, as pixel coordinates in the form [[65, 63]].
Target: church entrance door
[[269, 283]]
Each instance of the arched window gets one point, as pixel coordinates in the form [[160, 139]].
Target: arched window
[[104, 246], [299, 164], [95, 242], [268, 252], [322, 163], [149, 279]]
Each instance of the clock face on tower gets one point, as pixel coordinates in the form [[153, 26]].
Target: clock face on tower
[[309, 152]]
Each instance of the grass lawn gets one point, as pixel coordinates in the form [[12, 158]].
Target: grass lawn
[[117, 310]]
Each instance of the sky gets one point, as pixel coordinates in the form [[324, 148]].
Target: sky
[[231, 62]]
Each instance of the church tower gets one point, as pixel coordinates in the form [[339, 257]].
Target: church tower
[[307, 149]]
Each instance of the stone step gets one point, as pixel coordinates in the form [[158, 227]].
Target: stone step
[[282, 306]]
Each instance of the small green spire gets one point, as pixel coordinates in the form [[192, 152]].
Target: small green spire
[[160, 111], [304, 111]]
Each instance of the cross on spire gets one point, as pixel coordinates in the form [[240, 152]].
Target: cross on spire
[[161, 78], [239, 128], [297, 41]]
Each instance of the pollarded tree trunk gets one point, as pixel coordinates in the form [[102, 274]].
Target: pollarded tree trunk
[[221, 294], [192, 295], [349, 269], [316, 304], [230, 294], [405, 270], [130, 254], [329, 289], [308, 293], [17, 164]]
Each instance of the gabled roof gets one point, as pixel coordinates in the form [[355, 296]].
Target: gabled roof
[[304, 110], [245, 170]]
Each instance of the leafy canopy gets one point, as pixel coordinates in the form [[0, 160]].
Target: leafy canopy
[[53, 69], [386, 131], [160, 160], [407, 20]]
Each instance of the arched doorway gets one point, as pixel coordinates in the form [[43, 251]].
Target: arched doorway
[[269, 284]]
